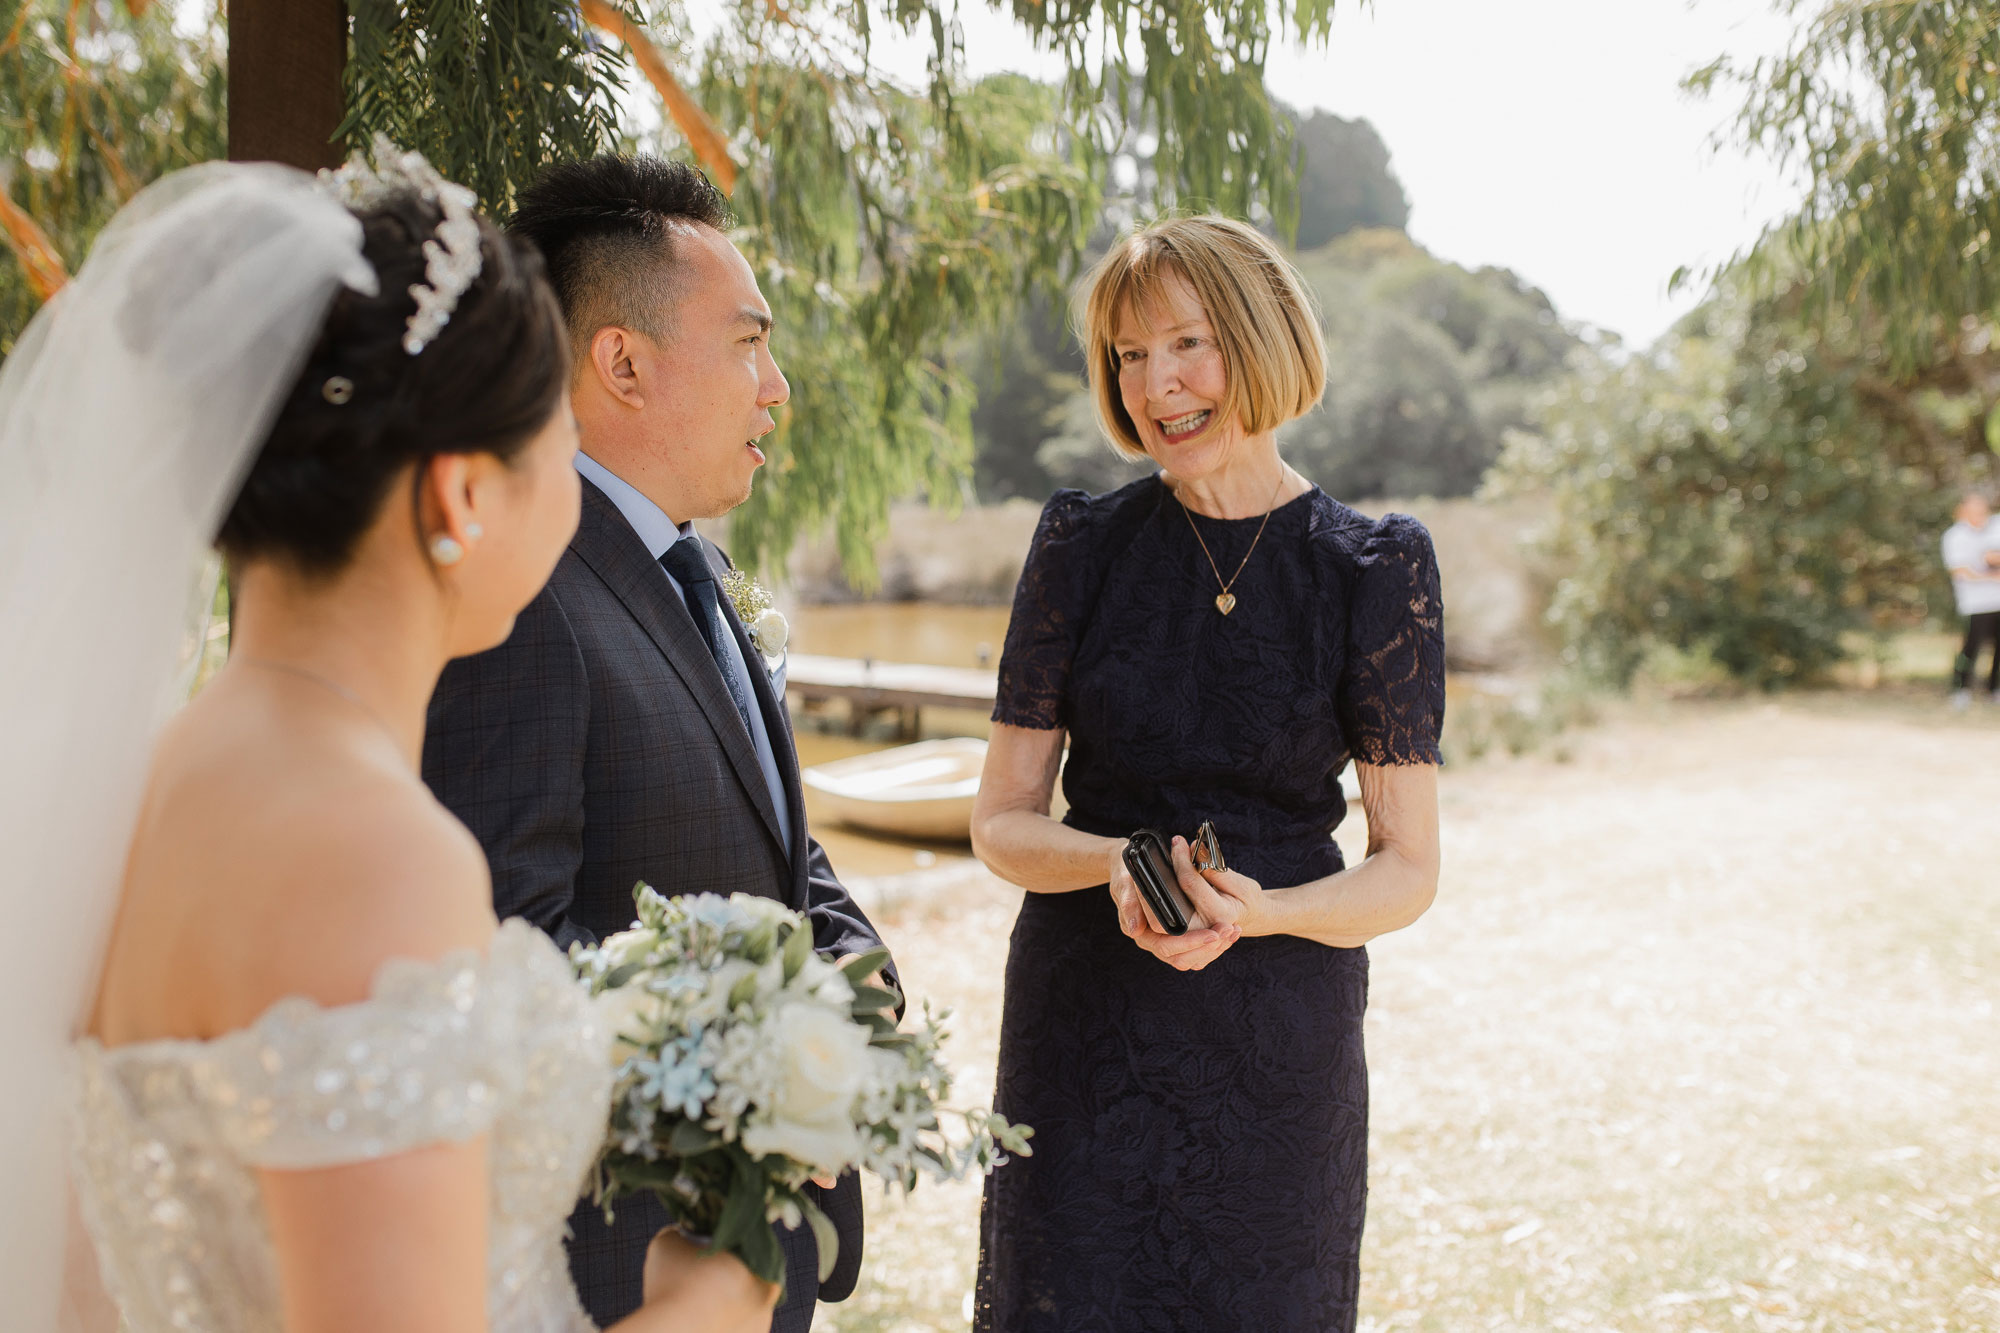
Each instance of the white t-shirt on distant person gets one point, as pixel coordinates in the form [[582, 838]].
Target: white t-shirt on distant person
[[1965, 547]]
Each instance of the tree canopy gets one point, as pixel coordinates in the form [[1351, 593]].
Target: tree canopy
[[1345, 181], [1752, 492], [1764, 488], [95, 101], [1431, 365], [1890, 110], [887, 221]]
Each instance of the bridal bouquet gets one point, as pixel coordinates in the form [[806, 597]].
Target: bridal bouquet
[[747, 1064]]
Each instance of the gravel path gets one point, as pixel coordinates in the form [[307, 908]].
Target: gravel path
[[1699, 1036]]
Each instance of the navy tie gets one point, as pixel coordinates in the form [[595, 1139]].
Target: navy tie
[[685, 561]]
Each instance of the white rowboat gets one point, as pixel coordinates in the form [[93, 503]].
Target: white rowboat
[[913, 791]]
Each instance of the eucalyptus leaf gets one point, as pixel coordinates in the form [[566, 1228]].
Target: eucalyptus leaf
[[743, 1211], [861, 967], [875, 998], [620, 975], [825, 1235], [760, 1251], [690, 1137], [798, 948]]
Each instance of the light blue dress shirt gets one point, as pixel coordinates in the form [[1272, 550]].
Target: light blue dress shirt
[[659, 532]]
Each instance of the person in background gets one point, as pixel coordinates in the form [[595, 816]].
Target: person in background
[[1972, 554]]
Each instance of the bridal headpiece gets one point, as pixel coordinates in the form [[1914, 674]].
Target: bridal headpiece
[[451, 257]]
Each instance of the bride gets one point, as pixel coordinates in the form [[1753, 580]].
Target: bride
[[315, 1087]]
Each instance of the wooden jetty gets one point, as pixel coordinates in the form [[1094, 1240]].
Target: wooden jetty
[[871, 688]]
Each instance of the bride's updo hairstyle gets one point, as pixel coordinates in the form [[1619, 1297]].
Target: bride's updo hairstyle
[[363, 409]]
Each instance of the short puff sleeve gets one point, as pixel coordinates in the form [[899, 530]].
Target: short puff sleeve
[[432, 1056], [1391, 690], [1051, 604]]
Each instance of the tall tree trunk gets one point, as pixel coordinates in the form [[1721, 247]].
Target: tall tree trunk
[[285, 62]]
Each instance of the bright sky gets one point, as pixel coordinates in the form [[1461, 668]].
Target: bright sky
[[1546, 136], [1551, 137]]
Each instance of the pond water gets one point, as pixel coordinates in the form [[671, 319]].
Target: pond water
[[959, 636]]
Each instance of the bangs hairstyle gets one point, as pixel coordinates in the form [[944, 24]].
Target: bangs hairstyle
[[1265, 320]]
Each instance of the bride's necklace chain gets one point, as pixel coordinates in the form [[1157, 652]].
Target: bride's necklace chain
[[1225, 601], [334, 686]]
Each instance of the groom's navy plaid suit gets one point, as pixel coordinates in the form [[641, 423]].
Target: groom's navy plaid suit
[[598, 747]]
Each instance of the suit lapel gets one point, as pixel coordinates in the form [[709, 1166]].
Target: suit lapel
[[777, 723], [606, 542]]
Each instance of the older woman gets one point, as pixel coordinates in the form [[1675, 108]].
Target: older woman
[[1216, 642]]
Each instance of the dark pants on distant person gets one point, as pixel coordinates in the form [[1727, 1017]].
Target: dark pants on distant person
[[1980, 630]]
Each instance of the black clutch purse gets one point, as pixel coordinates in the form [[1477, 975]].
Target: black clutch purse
[[1152, 867]]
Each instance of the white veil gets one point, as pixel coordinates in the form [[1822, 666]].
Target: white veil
[[128, 413]]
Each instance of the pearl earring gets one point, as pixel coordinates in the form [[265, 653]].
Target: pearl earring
[[446, 551]]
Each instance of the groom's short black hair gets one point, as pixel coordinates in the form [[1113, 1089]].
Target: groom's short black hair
[[605, 228]]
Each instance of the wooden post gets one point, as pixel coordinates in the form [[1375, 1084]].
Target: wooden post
[[285, 63]]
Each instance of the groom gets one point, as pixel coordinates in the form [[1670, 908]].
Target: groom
[[629, 730]]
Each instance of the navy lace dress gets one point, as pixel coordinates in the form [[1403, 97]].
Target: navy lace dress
[[1200, 1139]]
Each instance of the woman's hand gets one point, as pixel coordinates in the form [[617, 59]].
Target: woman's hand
[[1208, 936], [690, 1290], [1222, 896]]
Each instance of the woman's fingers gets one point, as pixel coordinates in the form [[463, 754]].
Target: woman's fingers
[[1211, 932], [1214, 907], [1194, 950], [1125, 895], [1195, 962], [1207, 950]]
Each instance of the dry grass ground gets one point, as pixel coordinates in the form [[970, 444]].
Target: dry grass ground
[[1699, 1036]]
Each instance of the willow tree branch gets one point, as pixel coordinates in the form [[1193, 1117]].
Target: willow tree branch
[[123, 183], [693, 122], [31, 245], [13, 38]]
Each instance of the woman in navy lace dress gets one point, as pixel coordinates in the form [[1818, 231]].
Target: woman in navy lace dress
[[1216, 642]]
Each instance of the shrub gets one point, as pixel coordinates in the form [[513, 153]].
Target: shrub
[[1753, 491]]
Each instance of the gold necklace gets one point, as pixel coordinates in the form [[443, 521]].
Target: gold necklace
[[1225, 601], [339, 689]]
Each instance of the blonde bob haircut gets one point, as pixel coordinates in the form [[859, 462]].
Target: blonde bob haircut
[[1265, 321]]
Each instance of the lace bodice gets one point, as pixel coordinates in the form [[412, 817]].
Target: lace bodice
[[1177, 714], [170, 1134], [1201, 1138]]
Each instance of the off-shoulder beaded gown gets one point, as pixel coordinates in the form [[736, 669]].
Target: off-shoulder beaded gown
[[170, 1134], [1200, 1151]]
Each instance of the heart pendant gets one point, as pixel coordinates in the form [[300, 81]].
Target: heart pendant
[[1225, 602]]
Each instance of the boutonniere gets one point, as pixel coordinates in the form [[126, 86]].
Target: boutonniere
[[766, 624]]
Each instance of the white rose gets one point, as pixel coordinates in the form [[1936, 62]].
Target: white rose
[[627, 946], [824, 1062], [770, 630], [629, 1014], [831, 1145]]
